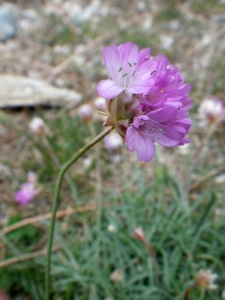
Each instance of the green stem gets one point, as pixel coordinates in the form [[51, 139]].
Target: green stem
[[81, 152]]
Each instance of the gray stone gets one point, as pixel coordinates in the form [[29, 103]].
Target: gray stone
[[19, 91], [8, 21]]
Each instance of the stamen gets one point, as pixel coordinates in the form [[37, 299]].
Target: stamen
[[153, 72], [129, 64], [142, 123], [124, 75], [150, 130], [133, 73], [135, 63], [161, 130], [120, 69]]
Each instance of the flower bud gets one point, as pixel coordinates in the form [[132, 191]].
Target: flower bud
[[211, 111], [31, 177], [85, 113], [112, 141], [117, 276], [111, 228], [100, 104], [37, 126], [139, 234]]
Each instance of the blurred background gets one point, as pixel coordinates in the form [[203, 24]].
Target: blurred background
[[51, 61]]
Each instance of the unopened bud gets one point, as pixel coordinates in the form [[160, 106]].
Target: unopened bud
[[111, 228], [117, 276], [31, 177], [211, 111], [139, 234], [100, 104], [85, 113], [37, 126], [112, 141]]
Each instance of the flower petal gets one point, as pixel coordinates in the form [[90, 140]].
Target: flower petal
[[111, 59], [108, 89], [144, 148], [163, 114], [141, 86], [143, 144], [168, 138], [128, 52]]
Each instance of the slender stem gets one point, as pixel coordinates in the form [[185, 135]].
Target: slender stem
[[81, 152], [153, 257], [187, 292]]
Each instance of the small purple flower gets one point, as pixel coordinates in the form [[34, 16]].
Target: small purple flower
[[28, 190], [26, 194], [148, 103]]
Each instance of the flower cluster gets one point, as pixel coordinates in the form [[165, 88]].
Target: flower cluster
[[147, 99]]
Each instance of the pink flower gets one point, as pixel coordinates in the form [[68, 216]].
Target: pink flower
[[149, 103], [26, 194], [129, 70], [28, 190]]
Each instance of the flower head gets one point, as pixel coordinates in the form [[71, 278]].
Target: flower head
[[205, 280], [147, 99], [28, 190]]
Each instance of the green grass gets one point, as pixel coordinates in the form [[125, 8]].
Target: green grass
[[186, 237], [208, 7], [184, 241]]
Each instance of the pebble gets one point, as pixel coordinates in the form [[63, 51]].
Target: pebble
[[8, 21], [166, 41], [218, 18]]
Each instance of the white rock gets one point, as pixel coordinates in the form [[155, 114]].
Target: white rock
[[24, 91], [166, 41]]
